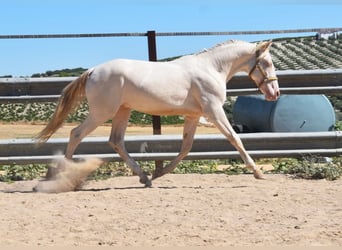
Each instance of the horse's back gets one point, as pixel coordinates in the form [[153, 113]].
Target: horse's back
[[150, 87], [129, 69]]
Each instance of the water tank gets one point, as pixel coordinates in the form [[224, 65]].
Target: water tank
[[290, 113]]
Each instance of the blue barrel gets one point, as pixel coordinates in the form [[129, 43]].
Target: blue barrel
[[290, 113]]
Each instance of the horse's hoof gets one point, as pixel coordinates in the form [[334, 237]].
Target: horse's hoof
[[145, 180], [258, 175], [148, 184]]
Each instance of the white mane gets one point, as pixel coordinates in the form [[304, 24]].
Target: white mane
[[219, 45]]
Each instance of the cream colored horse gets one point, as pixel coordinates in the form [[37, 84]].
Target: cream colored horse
[[192, 86]]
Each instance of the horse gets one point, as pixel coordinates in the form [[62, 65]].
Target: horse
[[193, 86]]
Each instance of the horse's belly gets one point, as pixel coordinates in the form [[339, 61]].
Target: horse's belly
[[161, 107], [170, 111]]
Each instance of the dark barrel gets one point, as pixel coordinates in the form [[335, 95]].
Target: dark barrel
[[290, 113]]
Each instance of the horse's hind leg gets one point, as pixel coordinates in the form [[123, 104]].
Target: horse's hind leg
[[189, 130], [76, 136], [78, 133], [119, 125]]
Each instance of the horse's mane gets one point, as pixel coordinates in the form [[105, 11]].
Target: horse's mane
[[229, 42]]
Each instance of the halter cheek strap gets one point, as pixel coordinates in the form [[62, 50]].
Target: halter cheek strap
[[262, 71]]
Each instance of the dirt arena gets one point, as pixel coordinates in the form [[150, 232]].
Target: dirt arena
[[179, 210]]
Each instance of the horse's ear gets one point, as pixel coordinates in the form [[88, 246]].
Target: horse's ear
[[263, 46]]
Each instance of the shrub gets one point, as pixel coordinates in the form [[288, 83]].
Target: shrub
[[310, 168], [16, 172]]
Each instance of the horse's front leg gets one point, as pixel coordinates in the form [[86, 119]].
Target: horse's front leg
[[119, 125], [189, 130], [218, 117]]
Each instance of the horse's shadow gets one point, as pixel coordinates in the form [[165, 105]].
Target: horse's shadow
[[17, 191], [158, 187], [127, 188], [13, 191], [85, 189]]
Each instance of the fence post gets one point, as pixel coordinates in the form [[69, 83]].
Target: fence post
[[152, 56]]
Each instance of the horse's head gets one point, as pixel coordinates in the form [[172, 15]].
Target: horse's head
[[262, 72]]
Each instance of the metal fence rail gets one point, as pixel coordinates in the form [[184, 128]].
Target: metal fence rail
[[16, 90], [165, 147], [200, 33]]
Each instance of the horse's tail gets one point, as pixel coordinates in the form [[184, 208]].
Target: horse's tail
[[71, 96]]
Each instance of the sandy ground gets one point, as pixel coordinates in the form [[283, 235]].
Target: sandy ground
[[179, 210], [23, 130]]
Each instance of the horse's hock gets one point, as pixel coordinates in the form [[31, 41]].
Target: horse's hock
[[290, 113]]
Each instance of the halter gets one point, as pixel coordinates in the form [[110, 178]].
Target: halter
[[262, 71]]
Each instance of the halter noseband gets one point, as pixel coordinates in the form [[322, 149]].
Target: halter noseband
[[262, 71]]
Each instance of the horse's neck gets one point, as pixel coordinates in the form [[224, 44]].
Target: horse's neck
[[231, 59]]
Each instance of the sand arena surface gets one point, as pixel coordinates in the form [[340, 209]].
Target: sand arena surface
[[26, 130], [179, 210]]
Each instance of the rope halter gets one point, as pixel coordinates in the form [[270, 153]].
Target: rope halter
[[262, 72]]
